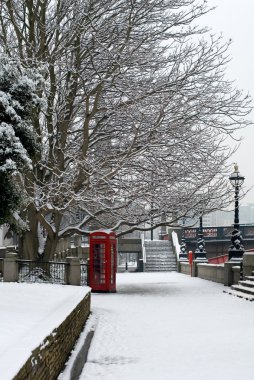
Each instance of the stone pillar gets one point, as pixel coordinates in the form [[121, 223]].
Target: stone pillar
[[236, 274], [248, 264], [140, 263], [228, 272], [2, 252], [11, 248], [73, 271], [80, 252], [10, 267], [194, 268], [2, 256], [73, 251]]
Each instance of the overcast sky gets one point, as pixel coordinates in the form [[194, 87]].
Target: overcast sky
[[234, 19]]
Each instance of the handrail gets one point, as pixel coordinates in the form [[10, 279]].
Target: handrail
[[176, 244], [143, 247], [218, 259]]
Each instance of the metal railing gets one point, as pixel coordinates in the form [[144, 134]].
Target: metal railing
[[38, 271], [143, 247], [218, 233], [218, 259], [84, 272], [53, 272]]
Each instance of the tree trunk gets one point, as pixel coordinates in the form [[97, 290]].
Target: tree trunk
[[31, 245], [50, 248], [29, 240]]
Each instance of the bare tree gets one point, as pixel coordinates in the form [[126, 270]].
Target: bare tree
[[138, 109]]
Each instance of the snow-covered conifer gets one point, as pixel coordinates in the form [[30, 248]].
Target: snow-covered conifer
[[18, 101]]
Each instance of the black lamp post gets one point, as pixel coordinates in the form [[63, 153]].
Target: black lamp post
[[183, 252], [200, 252], [236, 250]]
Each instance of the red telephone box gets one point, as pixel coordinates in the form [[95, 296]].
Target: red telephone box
[[102, 268]]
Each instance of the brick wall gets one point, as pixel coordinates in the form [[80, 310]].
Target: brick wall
[[47, 360]]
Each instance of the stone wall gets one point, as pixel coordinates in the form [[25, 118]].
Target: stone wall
[[47, 361], [211, 272], [236, 274], [185, 267], [248, 263], [227, 274]]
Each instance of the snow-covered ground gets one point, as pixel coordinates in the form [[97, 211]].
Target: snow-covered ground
[[168, 326], [158, 326], [28, 313]]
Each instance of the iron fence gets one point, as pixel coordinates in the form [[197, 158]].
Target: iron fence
[[83, 272], [53, 272], [39, 271]]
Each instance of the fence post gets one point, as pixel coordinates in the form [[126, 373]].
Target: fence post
[[73, 271], [248, 264], [10, 267]]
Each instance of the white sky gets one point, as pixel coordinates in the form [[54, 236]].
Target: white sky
[[234, 19]]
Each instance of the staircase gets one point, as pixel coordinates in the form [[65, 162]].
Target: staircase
[[244, 288], [159, 256]]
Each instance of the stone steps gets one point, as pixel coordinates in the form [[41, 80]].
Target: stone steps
[[235, 293], [248, 283], [244, 288], [250, 278], [159, 257]]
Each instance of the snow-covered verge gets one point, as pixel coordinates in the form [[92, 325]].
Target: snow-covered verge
[[30, 312], [169, 326], [78, 357]]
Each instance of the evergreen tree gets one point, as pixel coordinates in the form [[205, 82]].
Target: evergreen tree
[[18, 103]]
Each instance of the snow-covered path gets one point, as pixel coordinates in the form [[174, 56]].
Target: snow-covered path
[[168, 326]]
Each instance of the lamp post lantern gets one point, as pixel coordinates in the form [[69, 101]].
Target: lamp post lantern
[[236, 250]]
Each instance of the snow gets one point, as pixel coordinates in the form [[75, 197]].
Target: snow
[[176, 244], [158, 326], [169, 326], [29, 313], [9, 143]]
